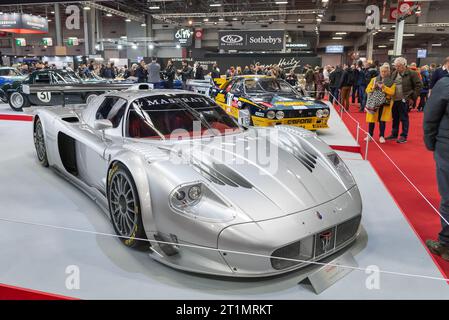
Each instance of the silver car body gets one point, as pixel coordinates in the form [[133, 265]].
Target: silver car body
[[302, 211]]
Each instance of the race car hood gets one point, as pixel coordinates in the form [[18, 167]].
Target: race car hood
[[280, 102], [292, 176]]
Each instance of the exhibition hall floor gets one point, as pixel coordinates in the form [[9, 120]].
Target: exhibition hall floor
[[47, 225]]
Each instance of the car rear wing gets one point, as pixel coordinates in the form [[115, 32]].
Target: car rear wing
[[74, 87]]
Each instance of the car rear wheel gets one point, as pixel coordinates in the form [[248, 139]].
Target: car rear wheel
[[124, 207], [39, 143], [18, 100]]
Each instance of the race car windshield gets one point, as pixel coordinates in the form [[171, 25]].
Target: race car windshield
[[66, 76], [178, 116], [268, 85]]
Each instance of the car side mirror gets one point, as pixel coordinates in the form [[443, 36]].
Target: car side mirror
[[102, 124]]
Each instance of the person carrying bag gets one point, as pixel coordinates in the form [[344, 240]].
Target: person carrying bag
[[380, 91]]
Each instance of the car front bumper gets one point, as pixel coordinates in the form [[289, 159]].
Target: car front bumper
[[309, 123]]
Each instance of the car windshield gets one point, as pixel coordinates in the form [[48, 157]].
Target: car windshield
[[67, 76], [173, 116], [9, 73], [268, 85]]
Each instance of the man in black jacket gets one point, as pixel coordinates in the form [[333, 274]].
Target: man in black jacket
[[169, 74], [436, 138], [334, 81], [439, 73], [186, 73]]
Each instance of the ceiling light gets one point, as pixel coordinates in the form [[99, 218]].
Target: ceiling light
[[320, 15], [340, 33], [151, 46], [86, 8], [128, 20], [420, 25], [337, 38], [49, 20], [190, 22], [235, 19], [436, 44], [318, 20], [205, 19], [134, 46], [299, 19], [178, 46], [108, 15], [120, 47], [143, 24], [215, 5], [220, 19], [52, 12], [409, 34], [382, 46], [281, 2], [154, 8]]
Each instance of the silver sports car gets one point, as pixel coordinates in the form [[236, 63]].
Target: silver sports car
[[174, 172]]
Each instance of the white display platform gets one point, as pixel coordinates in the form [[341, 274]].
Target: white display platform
[[36, 257]]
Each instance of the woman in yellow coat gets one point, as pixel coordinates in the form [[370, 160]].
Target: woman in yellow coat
[[383, 114]]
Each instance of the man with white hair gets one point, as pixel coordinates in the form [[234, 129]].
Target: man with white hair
[[408, 88]]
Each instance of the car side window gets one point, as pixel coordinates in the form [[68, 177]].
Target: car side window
[[237, 88], [112, 109], [43, 78]]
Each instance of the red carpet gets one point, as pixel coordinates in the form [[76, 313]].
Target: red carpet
[[417, 164]]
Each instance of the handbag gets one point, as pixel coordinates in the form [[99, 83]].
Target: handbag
[[376, 99]]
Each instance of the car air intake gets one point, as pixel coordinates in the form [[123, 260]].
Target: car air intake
[[315, 246], [220, 174]]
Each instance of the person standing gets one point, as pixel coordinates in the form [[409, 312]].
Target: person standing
[[425, 78], [198, 71], [154, 72], [383, 83], [215, 73], [361, 86], [436, 139], [408, 88], [334, 81], [355, 87], [440, 73], [186, 73], [345, 86], [310, 79], [169, 74], [141, 72], [319, 83]]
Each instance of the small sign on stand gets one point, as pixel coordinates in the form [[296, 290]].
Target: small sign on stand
[[331, 273]]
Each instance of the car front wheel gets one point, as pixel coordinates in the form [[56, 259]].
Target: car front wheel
[[39, 143], [124, 207], [18, 100]]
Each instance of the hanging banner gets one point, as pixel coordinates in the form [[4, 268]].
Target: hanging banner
[[23, 23], [251, 40], [184, 36]]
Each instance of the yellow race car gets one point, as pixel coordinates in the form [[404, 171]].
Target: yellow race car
[[266, 101]]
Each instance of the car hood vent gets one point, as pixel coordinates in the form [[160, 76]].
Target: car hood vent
[[220, 173], [301, 151]]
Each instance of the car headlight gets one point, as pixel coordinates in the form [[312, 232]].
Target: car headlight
[[319, 113], [271, 114], [198, 201], [280, 115], [341, 169], [326, 113]]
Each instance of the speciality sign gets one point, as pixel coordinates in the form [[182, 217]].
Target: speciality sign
[[72, 41], [251, 40], [184, 37], [305, 45], [335, 49], [47, 42], [21, 42], [23, 23]]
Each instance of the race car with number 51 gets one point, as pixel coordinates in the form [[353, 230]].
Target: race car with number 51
[[267, 101]]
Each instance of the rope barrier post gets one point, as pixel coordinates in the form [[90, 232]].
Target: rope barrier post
[[358, 132], [366, 147]]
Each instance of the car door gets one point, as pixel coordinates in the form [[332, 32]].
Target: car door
[[93, 157]]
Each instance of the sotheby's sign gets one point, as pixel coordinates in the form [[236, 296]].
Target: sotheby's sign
[[251, 40]]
